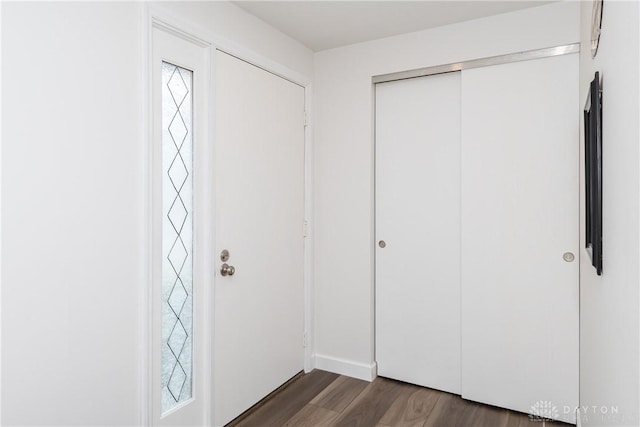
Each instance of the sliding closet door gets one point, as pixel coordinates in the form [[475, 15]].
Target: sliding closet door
[[520, 235], [418, 231]]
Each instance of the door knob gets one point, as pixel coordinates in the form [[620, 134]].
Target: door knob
[[568, 256], [227, 270]]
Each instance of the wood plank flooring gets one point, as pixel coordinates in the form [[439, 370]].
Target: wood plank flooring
[[324, 399]]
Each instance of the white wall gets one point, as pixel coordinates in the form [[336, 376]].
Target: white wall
[[609, 349], [72, 201], [343, 149]]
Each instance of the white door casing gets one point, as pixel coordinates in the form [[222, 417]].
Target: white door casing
[[418, 217], [520, 199], [259, 187]]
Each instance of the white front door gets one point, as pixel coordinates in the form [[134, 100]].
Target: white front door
[[520, 154], [259, 211], [180, 228], [418, 231]]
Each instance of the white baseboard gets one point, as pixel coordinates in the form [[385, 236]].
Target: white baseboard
[[350, 368]]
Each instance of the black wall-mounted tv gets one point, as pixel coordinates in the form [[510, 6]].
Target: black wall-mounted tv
[[593, 173]]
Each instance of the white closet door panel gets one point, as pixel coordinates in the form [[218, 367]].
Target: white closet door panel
[[417, 215], [519, 216]]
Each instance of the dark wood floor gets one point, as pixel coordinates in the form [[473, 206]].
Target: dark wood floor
[[324, 399]]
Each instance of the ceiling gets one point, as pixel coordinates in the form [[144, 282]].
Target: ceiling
[[321, 25]]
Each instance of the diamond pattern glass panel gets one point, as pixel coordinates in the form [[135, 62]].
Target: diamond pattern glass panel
[[177, 235]]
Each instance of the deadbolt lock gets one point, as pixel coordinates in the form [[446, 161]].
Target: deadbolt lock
[[224, 255]]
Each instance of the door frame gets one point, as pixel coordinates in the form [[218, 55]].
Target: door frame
[[157, 16]]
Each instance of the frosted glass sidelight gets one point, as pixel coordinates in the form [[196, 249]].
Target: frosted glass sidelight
[[177, 236]]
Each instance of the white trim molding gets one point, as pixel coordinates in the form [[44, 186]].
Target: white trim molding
[[350, 368], [0, 223], [308, 233], [145, 321]]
